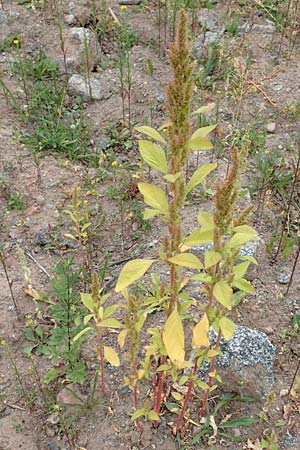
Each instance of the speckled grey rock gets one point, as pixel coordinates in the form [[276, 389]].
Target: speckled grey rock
[[78, 85], [291, 442], [283, 275], [268, 27], [250, 249], [246, 363]]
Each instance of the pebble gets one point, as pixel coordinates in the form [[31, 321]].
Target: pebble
[[271, 127], [70, 19], [130, 2], [283, 276]]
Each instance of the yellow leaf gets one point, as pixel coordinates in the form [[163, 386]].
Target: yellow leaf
[[199, 175], [151, 132], [197, 237], [154, 197], [172, 177], [243, 234], [206, 220], [200, 333], [38, 295], [227, 328], [154, 156], [203, 109], [149, 213], [211, 258], [131, 272], [122, 337], [173, 338], [199, 143], [111, 356], [177, 396], [88, 301], [223, 293], [186, 260]]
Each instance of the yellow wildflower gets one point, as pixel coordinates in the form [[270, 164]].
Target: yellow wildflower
[[16, 42], [3, 342], [114, 164], [123, 7]]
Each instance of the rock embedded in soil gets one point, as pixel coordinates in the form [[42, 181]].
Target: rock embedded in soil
[[250, 249], [79, 85], [246, 363], [283, 276], [271, 127]]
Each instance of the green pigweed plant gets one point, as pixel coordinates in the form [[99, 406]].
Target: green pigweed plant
[[218, 272], [101, 317]]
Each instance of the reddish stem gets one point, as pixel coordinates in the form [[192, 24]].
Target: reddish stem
[[210, 380], [187, 397], [159, 394]]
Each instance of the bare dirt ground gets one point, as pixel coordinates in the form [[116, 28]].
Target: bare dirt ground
[[271, 82]]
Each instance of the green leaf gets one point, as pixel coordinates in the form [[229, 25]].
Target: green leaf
[[200, 333], [88, 301], [186, 260], [249, 258], [240, 269], [154, 156], [87, 318], [243, 234], [172, 177], [204, 277], [173, 338], [109, 311], [110, 323], [50, 375], [183, 380], [211, 258], [199, 143], [223, 293], [172, 407], [82, 332], [197, 237], [151, 132], [243, 285], [152, 415], [132, 271], [111, 356], [227, 328], [149, 213], [29, 334], [206, 220], [241, 422], [154, 197], [28, 347], [204, 109], [138, 413], [203, 131], [199, 175]]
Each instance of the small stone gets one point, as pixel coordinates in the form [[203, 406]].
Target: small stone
[[70, 19], [269, 330], [66, 396], [103, 144], [53, 446], [40, 200], [53, 419], [79, 85], [130, 2], [271, 127], [41, 238], [283, 276]]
